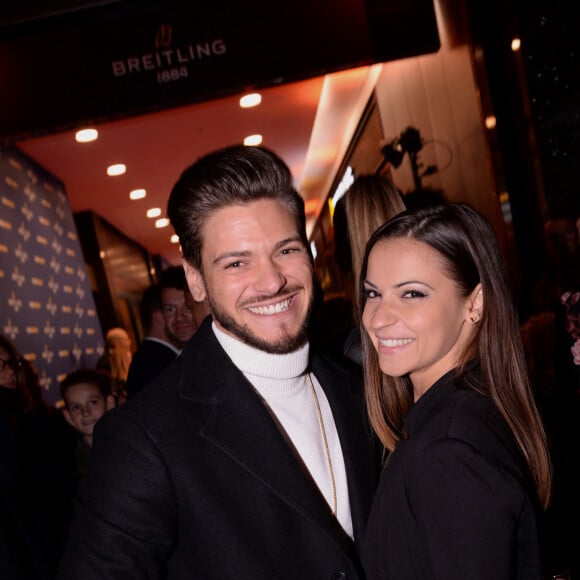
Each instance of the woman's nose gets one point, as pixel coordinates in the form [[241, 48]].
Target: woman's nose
[[381, 314]]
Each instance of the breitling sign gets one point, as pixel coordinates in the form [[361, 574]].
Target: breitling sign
[[112, 59], [46, 304]]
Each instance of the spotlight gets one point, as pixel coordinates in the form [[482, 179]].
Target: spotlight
[[393, 152], [411, 141]]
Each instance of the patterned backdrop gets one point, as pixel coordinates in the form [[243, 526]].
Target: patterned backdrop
[[46, 304]]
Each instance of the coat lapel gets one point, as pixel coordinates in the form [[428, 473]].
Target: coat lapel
[[241, 427], [344, 391]]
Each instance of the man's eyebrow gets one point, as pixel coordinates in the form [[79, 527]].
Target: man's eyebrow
[[246, 253], [232, 254]]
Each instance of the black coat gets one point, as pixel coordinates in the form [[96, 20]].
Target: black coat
[[192, 479], [147, 362], [455, 499]]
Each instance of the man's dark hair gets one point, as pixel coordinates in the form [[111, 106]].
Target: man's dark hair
[[235, 175], [172, 277]]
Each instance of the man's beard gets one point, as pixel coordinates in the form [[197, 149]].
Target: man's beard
[[282, 346]]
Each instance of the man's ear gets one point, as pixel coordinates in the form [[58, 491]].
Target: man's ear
[[476, 305], [194, 281]]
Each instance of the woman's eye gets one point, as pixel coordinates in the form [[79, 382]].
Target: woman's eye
[[414, 294], [368, 293]]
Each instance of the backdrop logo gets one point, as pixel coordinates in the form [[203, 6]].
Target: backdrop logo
[[169, 63]]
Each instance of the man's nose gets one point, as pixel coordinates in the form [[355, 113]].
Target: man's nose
[[270, 278], [184, 312]]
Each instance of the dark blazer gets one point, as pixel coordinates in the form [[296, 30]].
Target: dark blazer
[[455, 499], [192, 479], [147, 362]]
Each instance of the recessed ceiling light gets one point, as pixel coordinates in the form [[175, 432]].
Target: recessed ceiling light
[[86, 135], [137, 194], [174, 239], [154, 212], [250, 100], [490, 121], [253, 140], [116, 169], [162, 223]]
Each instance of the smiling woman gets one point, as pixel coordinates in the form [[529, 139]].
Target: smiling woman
[[449, 396]]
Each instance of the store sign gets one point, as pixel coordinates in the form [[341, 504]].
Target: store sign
[[103, 63]]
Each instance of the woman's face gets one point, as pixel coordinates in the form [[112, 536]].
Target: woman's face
[[413, 313], [7, 371]]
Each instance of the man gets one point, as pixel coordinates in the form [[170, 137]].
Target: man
[[177, 310], [167, 315], [250, 457]]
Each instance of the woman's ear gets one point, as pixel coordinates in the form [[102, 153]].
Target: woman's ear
[[194, 281], [476, 305]]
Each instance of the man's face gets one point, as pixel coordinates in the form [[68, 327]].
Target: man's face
[[178, 316], [257, 275]]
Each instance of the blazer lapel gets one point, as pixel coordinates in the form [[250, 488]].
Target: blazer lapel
[[344, 392], [240, 426]]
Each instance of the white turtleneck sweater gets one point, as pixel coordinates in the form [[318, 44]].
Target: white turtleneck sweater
[[281, 381]]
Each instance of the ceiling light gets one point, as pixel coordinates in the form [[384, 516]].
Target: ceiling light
[[116, 169], [154, 212], [86, 135], [490, 121], [516, 44], [174, 239], [250, 100], [253, 140], [137, 194], [162, 223]]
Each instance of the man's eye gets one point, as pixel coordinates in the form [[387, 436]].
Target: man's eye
[[287, 251], [236, 264]]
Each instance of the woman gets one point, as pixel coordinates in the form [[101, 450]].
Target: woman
[[449, 397], [369, 202]]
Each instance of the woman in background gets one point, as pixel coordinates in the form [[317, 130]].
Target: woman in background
[[369, 202], [116, 361]]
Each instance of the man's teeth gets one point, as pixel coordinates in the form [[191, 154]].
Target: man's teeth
[[272, 309], [390, 343]]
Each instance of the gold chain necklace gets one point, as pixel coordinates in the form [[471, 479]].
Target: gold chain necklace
[[325, 442]]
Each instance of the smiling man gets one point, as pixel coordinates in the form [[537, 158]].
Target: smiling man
[[250, 456]]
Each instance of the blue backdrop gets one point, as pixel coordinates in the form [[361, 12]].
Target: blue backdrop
[[46, 303]]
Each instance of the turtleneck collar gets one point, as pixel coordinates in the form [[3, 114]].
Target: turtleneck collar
[[257, 363]]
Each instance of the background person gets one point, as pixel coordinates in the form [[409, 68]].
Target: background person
[[369, 202], [170, 317], [250, 455], [116, 361], [36, 473], [157, 349], [87, 396], [449, 396]]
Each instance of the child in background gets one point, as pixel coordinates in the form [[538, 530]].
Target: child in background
[[87, 396]]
